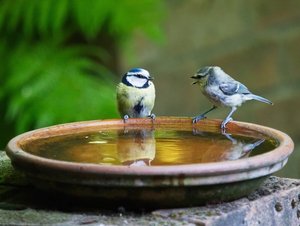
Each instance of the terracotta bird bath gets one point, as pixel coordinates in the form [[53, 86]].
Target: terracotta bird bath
[[168, 162]]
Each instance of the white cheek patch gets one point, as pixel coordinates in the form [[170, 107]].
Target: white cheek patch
[[136, 82]]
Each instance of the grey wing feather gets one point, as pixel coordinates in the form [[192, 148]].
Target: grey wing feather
[[230, 88]]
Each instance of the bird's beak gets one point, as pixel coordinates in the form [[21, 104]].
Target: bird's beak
[[195, 77], [150, 78], [198, 76]]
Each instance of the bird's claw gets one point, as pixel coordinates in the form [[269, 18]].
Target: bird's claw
[[125, 118], [228, 136], [152, 116], [198, 118], [224, 123]]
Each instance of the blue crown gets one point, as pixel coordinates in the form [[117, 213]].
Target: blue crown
[[136, 69]]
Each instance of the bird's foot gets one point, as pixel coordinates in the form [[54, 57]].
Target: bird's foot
[[152, 116], [198, 118], [224, 123], [228, 136], [125, 118]]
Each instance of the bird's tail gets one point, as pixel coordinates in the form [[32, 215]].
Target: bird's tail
[[261, 99]]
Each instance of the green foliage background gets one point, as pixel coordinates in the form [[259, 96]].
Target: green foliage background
[[54, 66]]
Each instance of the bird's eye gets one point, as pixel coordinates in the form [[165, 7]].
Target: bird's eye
[[139, 76]]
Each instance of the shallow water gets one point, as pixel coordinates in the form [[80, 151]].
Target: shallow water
[[148, 147]]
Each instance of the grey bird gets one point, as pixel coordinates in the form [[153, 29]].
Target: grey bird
[[223, 91]]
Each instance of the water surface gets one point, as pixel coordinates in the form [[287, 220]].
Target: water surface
[[149, 147]]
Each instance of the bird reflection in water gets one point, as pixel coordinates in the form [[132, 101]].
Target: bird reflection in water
[[136, 147], [226, 148], [239, 148]]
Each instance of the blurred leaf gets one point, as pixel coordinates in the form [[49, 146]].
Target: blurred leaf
[[52, 17], [91, 19], [4, 10], [51, 69], [55, 87], [59, 16], [30, 13], [13, 17], [48, 17], [130, 15], [44, 14]]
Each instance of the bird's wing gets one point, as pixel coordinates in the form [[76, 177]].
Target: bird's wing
[[230, 88]]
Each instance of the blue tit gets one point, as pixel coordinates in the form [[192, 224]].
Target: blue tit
[[136, 94], [222, 90]]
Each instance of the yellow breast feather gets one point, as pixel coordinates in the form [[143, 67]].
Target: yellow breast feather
[[128, 97]]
